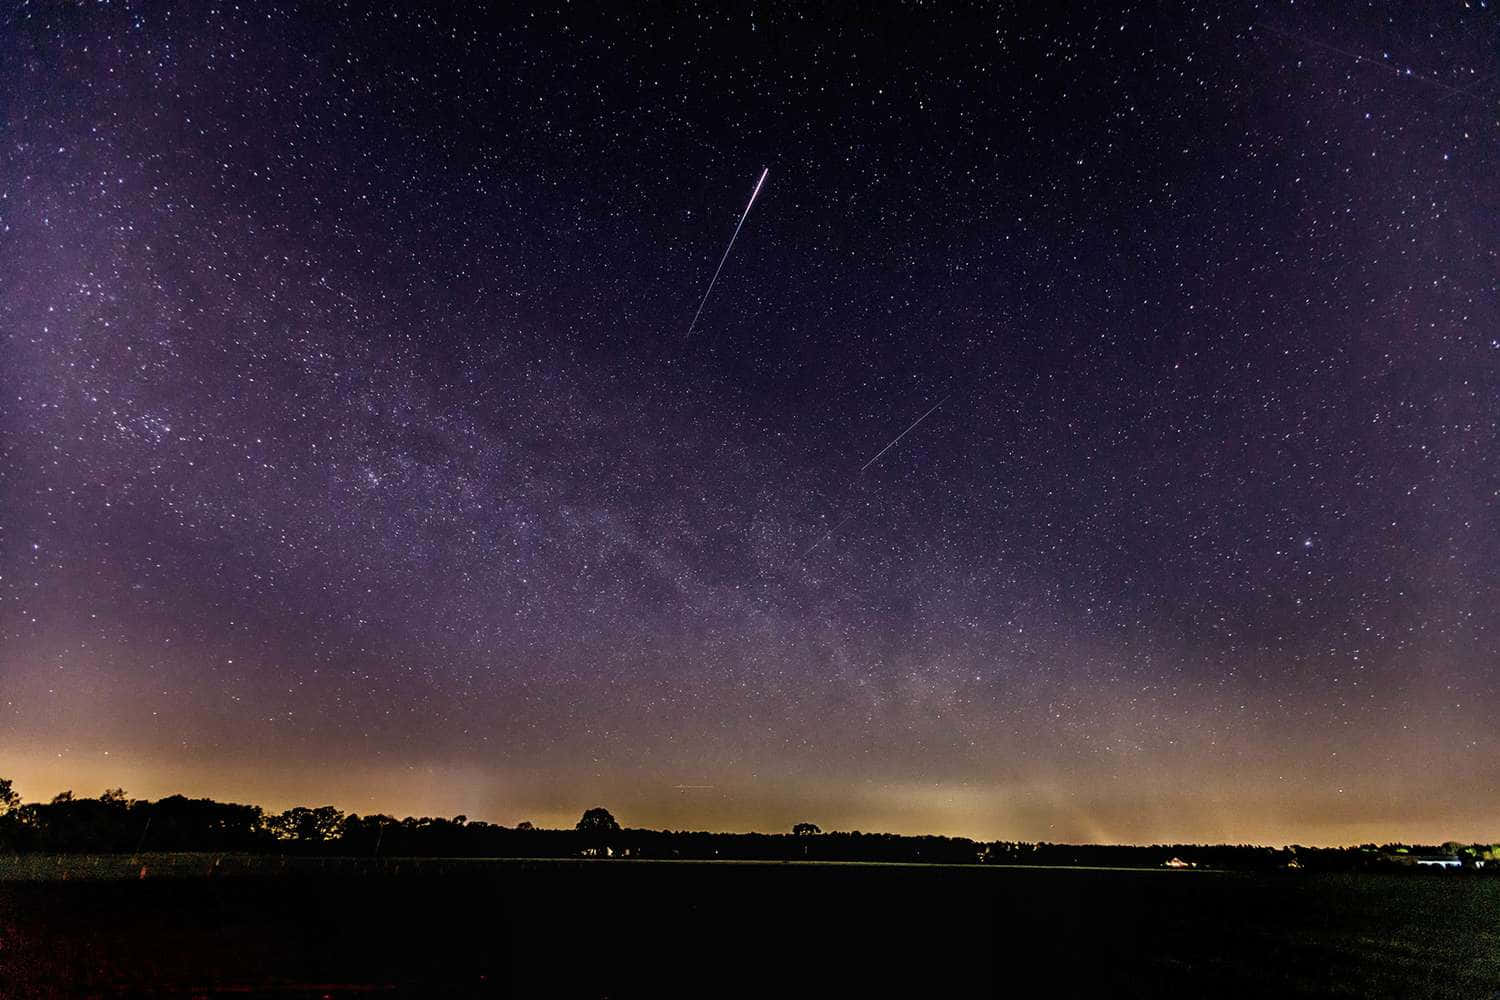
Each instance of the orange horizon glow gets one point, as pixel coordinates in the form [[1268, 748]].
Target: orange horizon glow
[[903, 809]]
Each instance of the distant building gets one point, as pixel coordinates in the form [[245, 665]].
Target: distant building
[[1438, 861], [1178, 863]]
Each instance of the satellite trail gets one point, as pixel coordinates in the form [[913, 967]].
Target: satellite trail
[[726, 253]]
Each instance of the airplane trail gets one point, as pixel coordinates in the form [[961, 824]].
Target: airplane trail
[[903, 434], [724, 258]]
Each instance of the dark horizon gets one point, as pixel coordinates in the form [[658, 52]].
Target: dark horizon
[[12, 805]]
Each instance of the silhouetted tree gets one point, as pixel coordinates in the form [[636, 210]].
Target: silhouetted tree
[[367, 834], [598, 827], [307, 825], [113, 796], [179, 823], [525, 824], [806, 830], [62, 797], [598, 820], [9, 820]]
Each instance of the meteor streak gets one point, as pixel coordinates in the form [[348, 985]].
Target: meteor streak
[[903, 434], [724, 258], [1377, 63], [827, 535]]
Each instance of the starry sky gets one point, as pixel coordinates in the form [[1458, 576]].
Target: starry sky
[[355, 448]]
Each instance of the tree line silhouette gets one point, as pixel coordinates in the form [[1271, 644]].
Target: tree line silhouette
[[114, 823]]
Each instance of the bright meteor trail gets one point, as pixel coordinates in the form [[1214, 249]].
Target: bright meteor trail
[[726, 252]]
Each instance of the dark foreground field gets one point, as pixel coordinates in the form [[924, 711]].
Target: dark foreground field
[[626, 929]]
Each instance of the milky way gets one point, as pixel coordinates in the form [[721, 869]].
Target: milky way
[[352, 453]]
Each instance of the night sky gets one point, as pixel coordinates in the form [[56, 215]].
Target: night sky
[[355, 448]]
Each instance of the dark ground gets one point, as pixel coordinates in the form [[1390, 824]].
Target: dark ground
[[629, 928]]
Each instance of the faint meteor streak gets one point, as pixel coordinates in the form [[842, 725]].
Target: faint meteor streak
[[903, 434], [827, 535], [1377, 63], [730, 247], [1468, 89]]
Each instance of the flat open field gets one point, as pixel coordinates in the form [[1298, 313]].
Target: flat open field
[[636, 928]]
